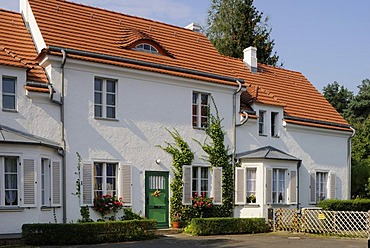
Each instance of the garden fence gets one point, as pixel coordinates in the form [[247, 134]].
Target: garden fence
[[339, 223]]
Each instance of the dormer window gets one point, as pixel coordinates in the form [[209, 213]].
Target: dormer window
[[145, 47]]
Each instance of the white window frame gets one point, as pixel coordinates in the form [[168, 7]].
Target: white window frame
[[104, 189], [200, 179], [329, 186], [242, 190], [45, 172], [276, 186], [9, 94], [104, 97], [262, 122], [274, 124], [322, 187], [146, 47], [2, 179], [251, 181], [197, 106]]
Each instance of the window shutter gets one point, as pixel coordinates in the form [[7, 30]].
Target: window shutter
[[240, 186], [186, 189], [87, 184], [126, 184], [56, 184], [217, 185], [312, 187], [268, 186], [332, 186], [293, 187], [29, 183]]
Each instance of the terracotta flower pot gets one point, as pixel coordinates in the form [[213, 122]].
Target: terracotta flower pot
[[176, 224]]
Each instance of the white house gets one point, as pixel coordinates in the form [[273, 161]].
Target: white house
[[110, 87]]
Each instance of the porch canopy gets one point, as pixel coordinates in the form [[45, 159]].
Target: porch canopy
[[267, 152]]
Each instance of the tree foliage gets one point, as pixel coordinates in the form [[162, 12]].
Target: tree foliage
[[234, 25], [338, 96], [359, 107]]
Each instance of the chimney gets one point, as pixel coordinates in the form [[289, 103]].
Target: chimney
[[194, 26], [250, 58]]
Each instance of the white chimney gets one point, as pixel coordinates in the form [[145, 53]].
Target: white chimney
[[194, 26], [250, 58]]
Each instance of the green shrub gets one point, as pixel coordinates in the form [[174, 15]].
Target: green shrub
[[214, 226], [345, 205], [128, 214], [87, 233]]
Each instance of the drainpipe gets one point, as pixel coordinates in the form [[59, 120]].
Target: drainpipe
[[64, 200], [349, 164], [298, 203], [234, 131]]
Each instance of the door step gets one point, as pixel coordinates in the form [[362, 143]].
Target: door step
[[168, 231]]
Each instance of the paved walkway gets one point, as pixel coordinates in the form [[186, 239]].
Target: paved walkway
[[269, 240]]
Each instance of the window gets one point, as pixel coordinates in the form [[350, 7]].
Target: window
[[261, 122], [9, 93], [200, 110], [321, 186], [145, 47], [200, 181], [105, 179], [279, 185], [251, 185], [45, 182], [9, 176], [274, 124], [105, 98]]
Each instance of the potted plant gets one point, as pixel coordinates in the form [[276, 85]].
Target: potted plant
[[251, 198], [176, 220]]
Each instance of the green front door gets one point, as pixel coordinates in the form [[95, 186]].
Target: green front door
[[156, 197]]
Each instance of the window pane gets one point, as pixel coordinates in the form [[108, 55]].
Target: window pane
[[195, 121], [98, 111], [98, 84], [204, 110], [204, 172], [111, 99], [9, 85], [195, 172], [111, 86], [8, 102], [204, 99], [98, 98], [195, 98], [194, 111], [98, 169], [111, 112], [111, 170]]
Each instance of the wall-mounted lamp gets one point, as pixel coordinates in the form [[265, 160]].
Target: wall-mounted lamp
[[158, 161]]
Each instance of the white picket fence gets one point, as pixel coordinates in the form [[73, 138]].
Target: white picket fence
[[339, 223]]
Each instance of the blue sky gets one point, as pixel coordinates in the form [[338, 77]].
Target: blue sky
[[325, 40]]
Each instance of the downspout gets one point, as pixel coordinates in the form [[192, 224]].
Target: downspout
[[64, 200], [349, 164], [298, 203], [234, 132]]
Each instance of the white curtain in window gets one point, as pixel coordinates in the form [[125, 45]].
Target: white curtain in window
[[10, 180]]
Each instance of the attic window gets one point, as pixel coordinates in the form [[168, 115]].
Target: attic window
[[145, 47]]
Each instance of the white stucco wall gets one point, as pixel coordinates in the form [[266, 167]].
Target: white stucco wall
[[147, 103]]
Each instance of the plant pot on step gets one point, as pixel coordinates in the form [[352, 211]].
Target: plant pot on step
[[176, 224]]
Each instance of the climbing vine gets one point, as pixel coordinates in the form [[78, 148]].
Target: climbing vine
[[218, 156], [181, 155]]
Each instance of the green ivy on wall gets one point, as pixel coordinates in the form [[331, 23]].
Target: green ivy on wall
[[181, 155]]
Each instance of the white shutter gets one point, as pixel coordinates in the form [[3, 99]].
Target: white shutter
[[87, 183], [268, 186], [29, 183], [186, 189], [332, 186], [293, 187], [240, 186], [56, 184], [217, 185], [312, 187], [126, 184]]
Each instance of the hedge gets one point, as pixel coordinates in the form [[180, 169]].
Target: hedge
[[345, 205], [87, 233], [214, 226]]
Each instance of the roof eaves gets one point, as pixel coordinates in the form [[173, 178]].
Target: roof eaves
[[287, 117]]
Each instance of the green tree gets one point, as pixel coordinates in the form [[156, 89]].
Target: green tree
[[338, 96], [234, 25], [359, 107]]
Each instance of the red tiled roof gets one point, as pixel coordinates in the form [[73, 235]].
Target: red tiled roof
[[88, 29], [16, 46]]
